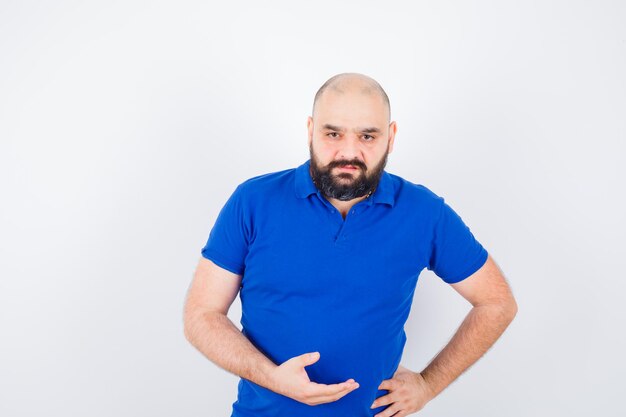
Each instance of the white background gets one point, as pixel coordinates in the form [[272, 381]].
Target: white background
[[125, 126]]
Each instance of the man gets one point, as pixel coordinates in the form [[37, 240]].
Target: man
[[326, 257]]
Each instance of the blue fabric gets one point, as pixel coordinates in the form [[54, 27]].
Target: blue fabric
[[312, 281]]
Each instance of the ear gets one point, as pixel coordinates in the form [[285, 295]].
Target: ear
[[393, 128], [309, 125]]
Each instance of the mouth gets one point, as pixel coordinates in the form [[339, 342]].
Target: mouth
[[348, 168]]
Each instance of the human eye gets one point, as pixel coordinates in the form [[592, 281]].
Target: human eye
[[332, 133], [368, 136]]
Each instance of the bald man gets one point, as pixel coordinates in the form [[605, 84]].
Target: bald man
[[326, 258]]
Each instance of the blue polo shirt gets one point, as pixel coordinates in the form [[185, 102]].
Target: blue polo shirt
[[314, 281]]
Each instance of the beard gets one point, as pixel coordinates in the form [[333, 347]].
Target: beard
[[336, 186]]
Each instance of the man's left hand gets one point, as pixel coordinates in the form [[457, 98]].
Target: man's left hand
[[408, 392]]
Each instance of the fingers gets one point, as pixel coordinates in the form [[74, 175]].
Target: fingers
[[332, 389], [388, 384], [309, 358], [324, 393], [311, 392], [382, 401], [391, 411]]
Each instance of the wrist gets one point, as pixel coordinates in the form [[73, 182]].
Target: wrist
[[270, 379], [428, 385]]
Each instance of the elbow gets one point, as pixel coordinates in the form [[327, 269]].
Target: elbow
[[504, 310], [190, 323], [198, 321], [192, 328], [187, 332], [510, 306]]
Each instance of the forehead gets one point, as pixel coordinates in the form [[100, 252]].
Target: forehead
[[351, 108]]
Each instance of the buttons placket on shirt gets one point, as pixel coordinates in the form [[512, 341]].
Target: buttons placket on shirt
[[354, 211], [342, 226], [341, 233]]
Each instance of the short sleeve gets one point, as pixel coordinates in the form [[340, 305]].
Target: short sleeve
[[455, 252], [227, 245]]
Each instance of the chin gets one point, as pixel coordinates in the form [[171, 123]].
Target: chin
[[344, 179]]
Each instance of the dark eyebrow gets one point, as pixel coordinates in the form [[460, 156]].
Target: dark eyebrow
[[362, 130], [331, 127]]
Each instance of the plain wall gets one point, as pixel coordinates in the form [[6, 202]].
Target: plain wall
[[125, 126]]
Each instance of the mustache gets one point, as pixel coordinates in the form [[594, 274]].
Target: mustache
[[341, 164]]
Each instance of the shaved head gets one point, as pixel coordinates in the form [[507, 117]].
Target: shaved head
[[353, 82]]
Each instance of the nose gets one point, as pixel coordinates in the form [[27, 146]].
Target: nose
[[350, 148]]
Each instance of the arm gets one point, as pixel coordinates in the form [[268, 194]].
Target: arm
[[208, 328], [493, 310]]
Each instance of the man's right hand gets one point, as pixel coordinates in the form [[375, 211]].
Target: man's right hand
[[291, 380]]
